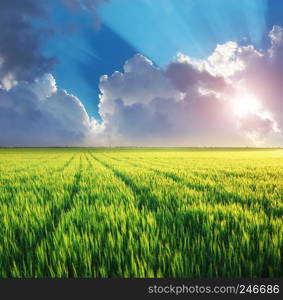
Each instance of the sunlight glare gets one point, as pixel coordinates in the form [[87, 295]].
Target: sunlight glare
[[245, 105]]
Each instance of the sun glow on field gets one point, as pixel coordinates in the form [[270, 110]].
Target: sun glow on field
[[245, 105]]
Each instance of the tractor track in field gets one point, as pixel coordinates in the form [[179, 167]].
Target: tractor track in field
[[169, 175], [70, 199], [33, 178], [32, 166], [143, 194], [56, 215], [53, 170], [215, 193]]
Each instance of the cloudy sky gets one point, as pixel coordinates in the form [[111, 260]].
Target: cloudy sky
[[141, 73]]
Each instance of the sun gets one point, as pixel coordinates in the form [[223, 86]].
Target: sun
[[245, 105]]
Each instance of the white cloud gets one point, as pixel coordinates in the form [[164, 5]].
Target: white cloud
[[39, 114], [191, 102], [146, 105], [224, 61]]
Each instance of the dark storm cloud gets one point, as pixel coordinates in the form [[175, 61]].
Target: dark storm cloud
[[21, 57]]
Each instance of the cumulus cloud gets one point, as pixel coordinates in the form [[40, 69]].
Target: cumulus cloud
[[20, 43], [178, 105], [192, 103], [262, 77], [39, 114]]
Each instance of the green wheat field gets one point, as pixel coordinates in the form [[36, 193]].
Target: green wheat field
[[141, 212]]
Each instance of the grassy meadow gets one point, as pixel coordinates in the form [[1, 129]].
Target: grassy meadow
[[141, 212]]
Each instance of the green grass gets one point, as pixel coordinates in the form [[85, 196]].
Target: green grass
[[141, 212]]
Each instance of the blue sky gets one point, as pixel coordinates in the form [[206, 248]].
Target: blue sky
[[158, 29]]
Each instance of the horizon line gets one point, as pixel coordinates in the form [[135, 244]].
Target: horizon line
[[146, 147]]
